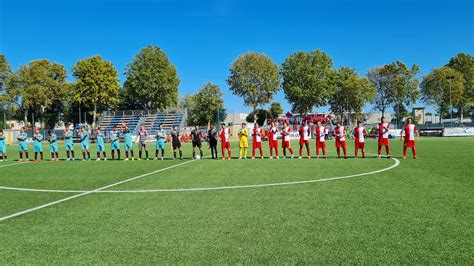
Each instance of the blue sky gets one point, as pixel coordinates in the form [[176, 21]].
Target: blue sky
[[202, 38]]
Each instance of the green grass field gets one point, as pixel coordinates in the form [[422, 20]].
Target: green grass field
[[418, 212]]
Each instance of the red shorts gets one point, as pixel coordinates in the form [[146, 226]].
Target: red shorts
[[383, 142], [409, 144], [320, 144], [225, 145], [273, 143], [340, 144], [257, 145], [304, 142], [359, 145], [285, 144]]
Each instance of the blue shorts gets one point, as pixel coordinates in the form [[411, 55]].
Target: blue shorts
[[128, 145], [85, 146], [115, 145], [53, 148], [3, 149], [99, 148], [69, 146], [160, 144], [38, 148], [22, 146]]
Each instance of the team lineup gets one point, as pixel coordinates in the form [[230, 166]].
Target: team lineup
[[212, 137]]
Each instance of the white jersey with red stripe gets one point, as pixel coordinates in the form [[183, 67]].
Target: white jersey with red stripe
[[409, 132], [340, 133], [285, 134], [359, 133], [273, 133], [321, 133], [382, 129], [225, 134], [257, 134], [304, 132]]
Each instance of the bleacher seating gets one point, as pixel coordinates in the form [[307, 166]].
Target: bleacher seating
[[150, 120]]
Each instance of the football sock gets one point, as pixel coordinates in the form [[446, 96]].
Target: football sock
[[21, 155], [245, 151], [72, 153], [181, 154], [291, 150], [41, 155], [414, 152], [174, 154], [27, 155], [387, 149], [146, 153], [67, 153], [261, 152], [200, 152], [404, 152], [229, 153], [118, 154], [338, 152]]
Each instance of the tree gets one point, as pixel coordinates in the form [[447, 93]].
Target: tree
[[307, 80], [204, 105], [255, 78], [152, 81], [36, 88], [351, 93], [259, 115], [275, 109], [465, 65], [5, 73], [396, 85], [438, 89], [97, 85]]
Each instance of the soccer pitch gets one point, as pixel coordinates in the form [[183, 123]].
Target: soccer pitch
[[363, 211]]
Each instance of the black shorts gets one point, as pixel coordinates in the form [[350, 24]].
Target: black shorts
[[176, 145], [197, 144], [213, 143]]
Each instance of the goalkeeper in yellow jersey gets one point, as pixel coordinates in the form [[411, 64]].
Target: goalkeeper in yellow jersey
[[244, 144]]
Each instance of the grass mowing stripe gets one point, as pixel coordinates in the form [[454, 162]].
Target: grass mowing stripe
[[89, 192]]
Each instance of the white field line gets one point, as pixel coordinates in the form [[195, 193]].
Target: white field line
[[11, 164], [89, 192]]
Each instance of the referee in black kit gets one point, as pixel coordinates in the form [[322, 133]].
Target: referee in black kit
[[212, 140], [196, 140]]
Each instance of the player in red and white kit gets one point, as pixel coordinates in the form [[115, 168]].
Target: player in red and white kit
[[257, 133], [225, 134], [285, 140], [272, 140], [305, 133], [359, 134], [409, 131], [382, 131], [340, 133], [320, 133]]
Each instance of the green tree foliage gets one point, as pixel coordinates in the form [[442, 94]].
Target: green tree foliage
[[5, 73], [396, 85], [351, 93], [440, 85], [203, 106], [255, 78], [307, 80], [259, 115], [152, 81], [275, 109], [38, 88], [97, 85], [464, 63]]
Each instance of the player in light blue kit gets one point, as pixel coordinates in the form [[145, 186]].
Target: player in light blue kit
[[100, 144], [38, 144], [128, 143], [3, 147], [22, 145], [84, 135], [53, 145], [160, 142], [115, 143], [68, 141]]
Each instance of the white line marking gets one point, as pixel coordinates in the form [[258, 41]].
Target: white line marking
[[396, 164], [88, 192], [11, 164]]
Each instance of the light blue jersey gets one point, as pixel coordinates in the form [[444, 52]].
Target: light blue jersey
[[68, 134], [127, 137], [160, 139], [84, 140], [115, 142], [3, 144], [100, 142], [38, 144], [22, 145], [53, 143]]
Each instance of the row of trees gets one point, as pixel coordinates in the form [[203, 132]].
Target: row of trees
[[309, 80], [41, 87]]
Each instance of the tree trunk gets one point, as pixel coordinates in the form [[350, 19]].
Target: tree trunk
[[461, 113], [94, 116], [254, 107], [25, 117]]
